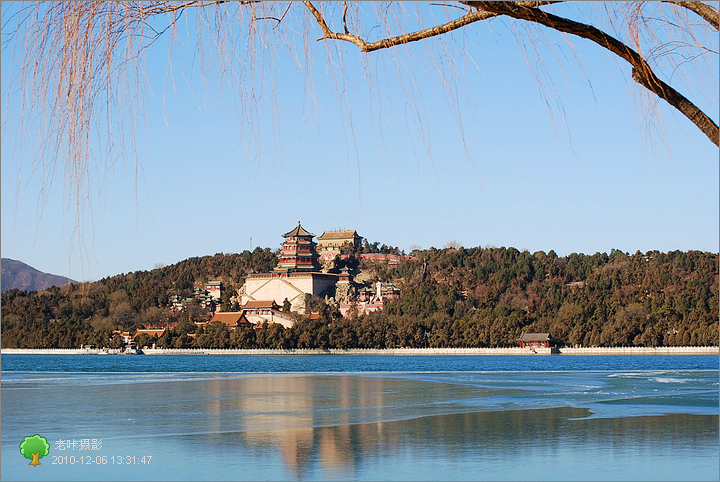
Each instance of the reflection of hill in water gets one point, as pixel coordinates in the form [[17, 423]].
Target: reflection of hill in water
[[343, 426], [373, 426], [349, 451]]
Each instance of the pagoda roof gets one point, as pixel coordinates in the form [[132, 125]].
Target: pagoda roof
[[298, 231], [341, 234]]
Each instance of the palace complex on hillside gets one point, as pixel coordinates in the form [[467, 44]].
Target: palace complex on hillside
[[304, 269], [330, 242], [299, 275]]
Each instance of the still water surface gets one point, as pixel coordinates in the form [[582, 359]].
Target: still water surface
[[350, 417]]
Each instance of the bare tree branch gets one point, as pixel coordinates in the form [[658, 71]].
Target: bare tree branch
[[706, 11], [529, 11], [167, 7], [642, 72], [344, 17], [366, 46], [400, 39]]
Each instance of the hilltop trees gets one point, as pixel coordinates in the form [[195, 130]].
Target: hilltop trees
[[479, 297], [87, 313], [466, 297]]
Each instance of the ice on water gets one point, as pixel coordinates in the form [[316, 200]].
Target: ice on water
[[400, 420]]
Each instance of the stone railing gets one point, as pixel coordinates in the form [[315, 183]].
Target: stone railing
[[664, 350]]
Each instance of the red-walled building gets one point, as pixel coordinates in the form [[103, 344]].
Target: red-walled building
[[536, 340]]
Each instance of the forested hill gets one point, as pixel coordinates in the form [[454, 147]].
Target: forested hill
[[472, 297], [490, 296]]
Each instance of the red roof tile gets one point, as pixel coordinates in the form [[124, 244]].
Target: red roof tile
[[231, 318]]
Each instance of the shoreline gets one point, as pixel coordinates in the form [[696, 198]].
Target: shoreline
[[584, 351]]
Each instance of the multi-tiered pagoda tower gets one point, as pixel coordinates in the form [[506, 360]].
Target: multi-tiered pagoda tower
[[298, 252], [296, 276]]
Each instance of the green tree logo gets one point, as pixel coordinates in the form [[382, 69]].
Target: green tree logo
[[35, 448]]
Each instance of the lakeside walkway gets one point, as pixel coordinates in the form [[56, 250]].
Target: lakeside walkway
[[663, 350]]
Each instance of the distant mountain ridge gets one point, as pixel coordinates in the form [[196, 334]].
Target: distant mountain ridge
[[16, 274]]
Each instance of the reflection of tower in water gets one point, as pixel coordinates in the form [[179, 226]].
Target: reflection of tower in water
[[327, 422], [279, 411], [323, 418], [358, 428]]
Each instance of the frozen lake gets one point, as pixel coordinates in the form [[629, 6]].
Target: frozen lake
[[362, 417]]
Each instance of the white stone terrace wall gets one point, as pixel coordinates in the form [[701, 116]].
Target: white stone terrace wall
[[680, 350]]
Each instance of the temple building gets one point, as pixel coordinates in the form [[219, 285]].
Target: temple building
[[368, 299], [330, 242], [298, 252], [378, 293], [536, 340], [296, 276], [214, 289], [259, 312], [231, 319]]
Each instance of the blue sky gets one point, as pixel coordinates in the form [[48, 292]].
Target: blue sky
[[520, 183]]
